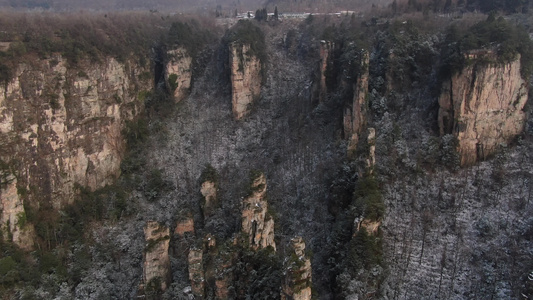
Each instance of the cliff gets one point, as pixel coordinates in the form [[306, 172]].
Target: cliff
[[178, 73], [326, 47], [246, 79], [61, 126], [156, 269], [297, 285], [355, 115], [482, 106], [257, 224]]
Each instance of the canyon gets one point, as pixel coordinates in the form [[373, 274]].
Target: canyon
[[314, 169]]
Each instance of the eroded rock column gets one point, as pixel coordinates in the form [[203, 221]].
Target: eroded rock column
[[482, 106], [245, 79], [298, 281], [257, 224], [156, 270], [178, 73]]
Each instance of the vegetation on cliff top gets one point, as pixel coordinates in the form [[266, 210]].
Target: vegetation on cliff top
[[493, 34], [247, 33]]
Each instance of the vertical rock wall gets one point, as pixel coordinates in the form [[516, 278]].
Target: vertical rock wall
[[297, 285], [326, 47], [178, 73], [483, 107], [245, 79], [196, 272], [61, 125], [156, 270], [256, 222], [355, 116]]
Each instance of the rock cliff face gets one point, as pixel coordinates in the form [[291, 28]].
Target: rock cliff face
[[12, 216], [245, 78], [61, 126], [257, 224], [325, 51], [178, 73], [196, 272], [355, 116], [482, 107], [156, 269], [297, 285], [209, 193]]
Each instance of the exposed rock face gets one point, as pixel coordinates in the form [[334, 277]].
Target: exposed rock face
[[482, 107], [325, 51], [371, 227], [63, 125], [13, 223], [184, 226], [178, 73], [156, 259], [355, 116], [196, 272], [209, 192], [297, 285], [256, 223], [245, 78]]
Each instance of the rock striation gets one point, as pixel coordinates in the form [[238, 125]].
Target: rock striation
[[257, 224], [298, 280], [246, 79], [178, 73], [482, 106], [156, 268], [355, 115], [60, 126]]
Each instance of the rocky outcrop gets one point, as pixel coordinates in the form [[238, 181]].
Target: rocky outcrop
[[184, 226], [61, 126], [482, 106], [326, 47], [257, 224], [371, 140], [245, 78], [196, 272], [156, 269], [209, 194], [14, 225], [178, 73], [355, 115], [298, 280]]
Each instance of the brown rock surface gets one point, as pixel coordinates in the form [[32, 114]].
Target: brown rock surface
[[179, 68], [325, 50], [156, 268], [256, 223], [63, 125], [196, 272], [209, 192], [355, 116], [245, 79], [297, 284], [482, 107]]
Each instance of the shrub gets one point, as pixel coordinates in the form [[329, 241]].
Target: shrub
[[368, 200], [173, 81]]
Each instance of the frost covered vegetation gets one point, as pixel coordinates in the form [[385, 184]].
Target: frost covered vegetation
[[446, 232]]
